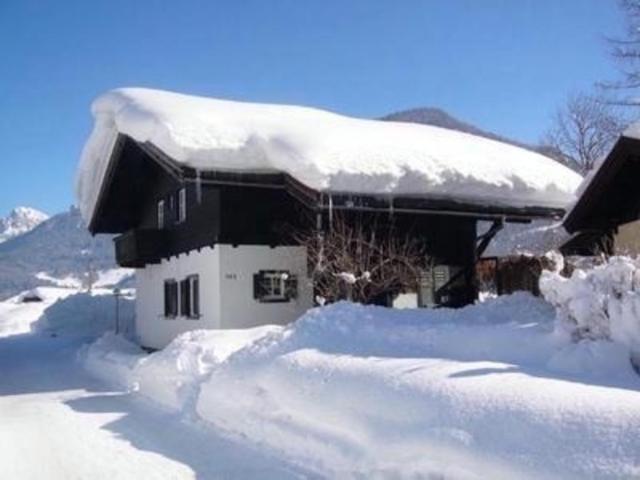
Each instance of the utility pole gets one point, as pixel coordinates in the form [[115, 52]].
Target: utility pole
[[117, 294]]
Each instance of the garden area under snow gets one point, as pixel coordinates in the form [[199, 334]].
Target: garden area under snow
[[513, 387]]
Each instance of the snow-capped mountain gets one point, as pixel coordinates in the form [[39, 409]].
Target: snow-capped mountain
[[439, 118], [59, 251], [20, 220]]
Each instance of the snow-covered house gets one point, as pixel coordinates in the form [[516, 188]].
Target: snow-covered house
[[202, 192], [604, 217]]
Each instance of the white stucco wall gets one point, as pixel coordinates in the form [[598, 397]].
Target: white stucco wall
[[226, 290], [152, 328], [237, 267]]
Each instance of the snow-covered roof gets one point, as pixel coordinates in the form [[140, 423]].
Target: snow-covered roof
[[607, 196], [323, 150]]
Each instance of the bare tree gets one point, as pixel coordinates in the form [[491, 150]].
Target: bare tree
[[583, 131], [362, 260], [625, 50]]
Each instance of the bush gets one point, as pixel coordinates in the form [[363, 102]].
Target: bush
[[599, 303]]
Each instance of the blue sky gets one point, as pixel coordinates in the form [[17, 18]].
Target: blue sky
[[504, 65]]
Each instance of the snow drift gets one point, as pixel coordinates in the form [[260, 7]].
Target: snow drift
[[171, 376], [487, 391], [87, 314], [323, 150]]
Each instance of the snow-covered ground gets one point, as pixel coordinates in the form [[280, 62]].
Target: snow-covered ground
[[57, 422], [489, 391], [494, 390]]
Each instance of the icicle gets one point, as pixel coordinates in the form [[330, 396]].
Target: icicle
[[198, 187], [319, 260]]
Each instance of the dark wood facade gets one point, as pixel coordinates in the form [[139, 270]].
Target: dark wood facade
[[611, 199], [264, 209]]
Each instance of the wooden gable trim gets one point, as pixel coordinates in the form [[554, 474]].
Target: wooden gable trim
[[600, 182], [114, 159]]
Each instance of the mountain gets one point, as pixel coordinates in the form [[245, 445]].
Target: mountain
[[20, 220], [440, 118], [58, 251]]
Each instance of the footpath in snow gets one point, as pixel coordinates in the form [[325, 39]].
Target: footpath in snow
[[57, 422]]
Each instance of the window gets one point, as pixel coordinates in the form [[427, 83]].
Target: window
[[182, 205], [170, 298], [161, 214], [190, 297], [270, 286]]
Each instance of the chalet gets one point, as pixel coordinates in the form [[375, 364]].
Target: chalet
[[204, 194], [604, 218]]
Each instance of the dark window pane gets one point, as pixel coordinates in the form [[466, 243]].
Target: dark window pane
[[184, 298]]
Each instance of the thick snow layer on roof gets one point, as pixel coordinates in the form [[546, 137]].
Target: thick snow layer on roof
[[323, 150]]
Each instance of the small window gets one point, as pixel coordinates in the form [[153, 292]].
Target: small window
[[182, 205], [190, 297], [271, 286], [170, 298], [161, 214]]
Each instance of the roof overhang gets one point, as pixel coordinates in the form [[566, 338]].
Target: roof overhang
[[612, 195], [129, 154]]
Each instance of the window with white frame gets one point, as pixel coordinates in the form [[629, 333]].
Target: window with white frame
[[271, 286], [190, 297], [182, 205], [161, 214]]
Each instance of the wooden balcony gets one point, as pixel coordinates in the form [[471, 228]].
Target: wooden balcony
[[137, 248]]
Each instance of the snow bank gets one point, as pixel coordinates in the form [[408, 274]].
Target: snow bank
[[113, 359], [17, 317], [601, 303], [487, 391], [470, 393], [87, 314], [323, 150], [171, 376]]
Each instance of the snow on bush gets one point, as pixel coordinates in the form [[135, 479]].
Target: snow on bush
[[601, 303]]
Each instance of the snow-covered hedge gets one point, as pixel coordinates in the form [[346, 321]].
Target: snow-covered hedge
[[599, 303]]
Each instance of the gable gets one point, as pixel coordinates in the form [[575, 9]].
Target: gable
[[612, 195]]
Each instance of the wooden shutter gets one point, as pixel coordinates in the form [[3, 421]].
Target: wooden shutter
[[195, 293], [184, 298], [167, 305], [291, 287]]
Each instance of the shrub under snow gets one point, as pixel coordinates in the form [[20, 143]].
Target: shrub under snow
[[600, 303]]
